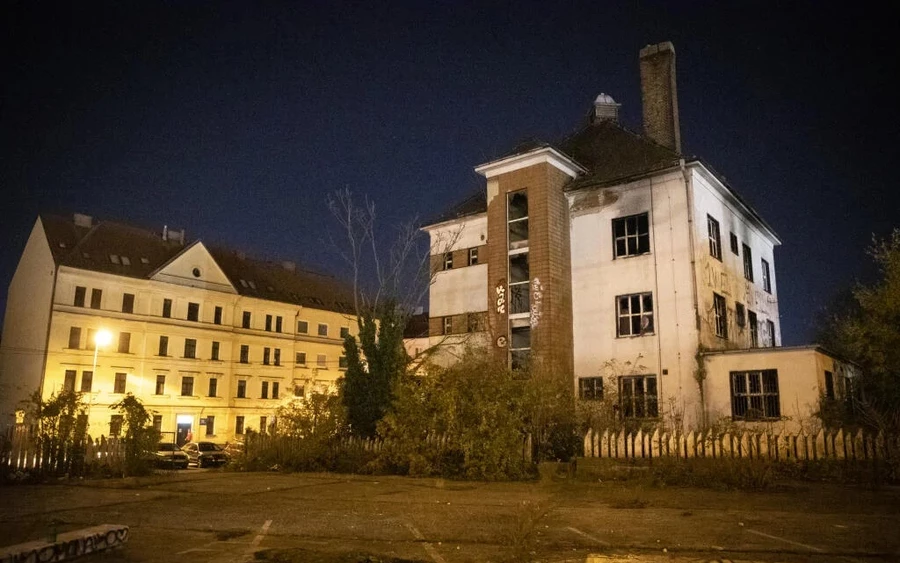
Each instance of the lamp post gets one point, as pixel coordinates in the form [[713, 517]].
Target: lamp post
[[101, 338]]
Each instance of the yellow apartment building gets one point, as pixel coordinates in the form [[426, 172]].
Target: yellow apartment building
[[210, 340]]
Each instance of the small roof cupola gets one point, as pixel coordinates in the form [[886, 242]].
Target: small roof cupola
[[605, 109]]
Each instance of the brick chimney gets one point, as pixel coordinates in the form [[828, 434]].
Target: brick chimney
[[659, 95]]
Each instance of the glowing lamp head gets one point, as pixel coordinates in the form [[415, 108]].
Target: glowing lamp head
[[102, 337]]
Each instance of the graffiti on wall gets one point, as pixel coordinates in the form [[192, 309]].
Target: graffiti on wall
[[537, 302], [500, 302], [87, 541]]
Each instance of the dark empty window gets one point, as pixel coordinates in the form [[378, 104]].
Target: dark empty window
[[278, 324], [167, 308], [187, 386], [754, 329], [69, 381], [275, 389], [119, 385], [79, 296], [160, 384], [266, 353], [748, 263], [214, 352], [96, 296], [323, 329], [217, 315], [302, 327], [193, 312], [264, 390], [245, 354], [163, 345], [276, 358], [631, 235], [128, 303], [210, 425], [115, 424], [734, 244], [239, 425], [213, 386], [75, 337], [829, 385], [157, 422], [301, 358], [190, 348], [740, 314], [590, 388], [754, 395], [638, 396], [269, 323], [517, 219], [345, 331], [342, 362], [242, 388], [245, 323], [87, 381], [770, 325], [124, 342]]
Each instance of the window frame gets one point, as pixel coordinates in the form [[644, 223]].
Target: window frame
[[720, 315], [187, 385], [714, 234], [735, 245], [629, 238], [246, 319], [766, 276], [120, 383], [241, 389], [124, 343], [767, 402], [448, 261], [648, 407], [473, 256], [193, 312], [212, 389], [96, 298], [297, 356], [128, 303], [302, 327], [217, 315], [748, 262], [160, 388], [167, 308], [214, 350], [320, 332], [190, 348], [87, 381], [753, 323], [322, 361], [75, 337], [244, 354], [163, 348], [588, 388], [80, 296], [641, 315]]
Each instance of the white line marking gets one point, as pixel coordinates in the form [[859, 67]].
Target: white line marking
[[429, 549], [588, 536], [771, 537], [259, 537]]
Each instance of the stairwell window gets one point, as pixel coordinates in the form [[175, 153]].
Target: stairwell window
[[715, 239], [638, 396], [754, 395], [631, 235], [517, 217], [519, 343], [448, 260], [634, 314]]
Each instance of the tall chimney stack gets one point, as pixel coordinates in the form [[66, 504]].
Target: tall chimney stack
[[659, 95]]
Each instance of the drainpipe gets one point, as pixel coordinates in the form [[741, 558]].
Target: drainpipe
[[689, 192]]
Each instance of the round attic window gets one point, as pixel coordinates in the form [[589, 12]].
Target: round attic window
[[196, 272]]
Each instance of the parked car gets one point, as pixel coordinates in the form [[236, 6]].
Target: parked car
[[204, 454], [167, 455]]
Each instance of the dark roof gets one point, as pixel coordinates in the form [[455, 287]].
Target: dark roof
[[472, 205], [612, 153], [416, 326], [90, 249], [608, 151]]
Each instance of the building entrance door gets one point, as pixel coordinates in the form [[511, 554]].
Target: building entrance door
[[183, 433]]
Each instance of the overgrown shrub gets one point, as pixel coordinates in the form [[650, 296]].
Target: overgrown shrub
[[140, 438]]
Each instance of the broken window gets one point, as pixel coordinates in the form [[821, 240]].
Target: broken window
[[754, 395], [767, 280], [590, 388], [638, 396], [754, 329], [631, 235], [715, 241], [748, 263], [721, 315], [634, 314]]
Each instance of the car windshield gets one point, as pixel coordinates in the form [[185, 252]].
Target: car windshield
[[209, 447], [167, 447]]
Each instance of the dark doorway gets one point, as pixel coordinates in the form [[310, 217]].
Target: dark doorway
[[182, 433]]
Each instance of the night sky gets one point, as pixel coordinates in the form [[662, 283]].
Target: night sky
[[234, 120]]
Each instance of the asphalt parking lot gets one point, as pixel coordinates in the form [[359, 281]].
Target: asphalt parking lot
[[202, 515]]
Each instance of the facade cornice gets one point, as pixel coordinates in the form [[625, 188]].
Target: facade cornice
[[547, 155]]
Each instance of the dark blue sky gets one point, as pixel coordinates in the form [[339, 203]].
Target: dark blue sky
[[234, 120]]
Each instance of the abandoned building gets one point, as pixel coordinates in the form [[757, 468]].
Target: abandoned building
[[615, 258]]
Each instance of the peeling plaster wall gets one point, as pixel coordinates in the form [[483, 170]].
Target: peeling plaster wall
[[726, 277], [462, 289], [597, 278]]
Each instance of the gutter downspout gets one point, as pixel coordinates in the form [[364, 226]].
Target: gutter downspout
[[689, 191]]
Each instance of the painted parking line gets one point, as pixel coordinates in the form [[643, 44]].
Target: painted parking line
[[588, 536], [259, 537], [429, 549], [785, 540]]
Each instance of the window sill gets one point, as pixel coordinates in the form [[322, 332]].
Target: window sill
[[627, 256], [635, 335], [188, 396]]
